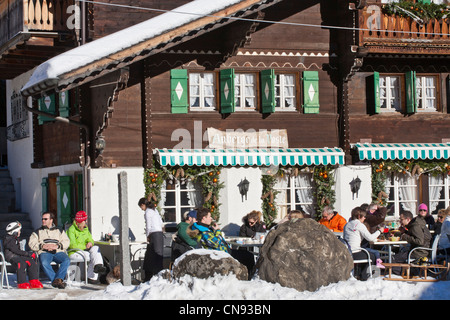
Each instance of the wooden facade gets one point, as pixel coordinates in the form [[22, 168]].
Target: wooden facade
[[135, 116], [418, 49]]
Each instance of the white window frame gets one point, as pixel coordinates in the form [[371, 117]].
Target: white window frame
[[283, 204], [240, 92], [446, 191], [389, 98], [421, 87], [281, 95], [179, 208], [396, 202], [202, 92]]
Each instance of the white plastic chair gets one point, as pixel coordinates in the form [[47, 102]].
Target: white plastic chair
[[433, 250], [434, 253], [4, 264], [368, 260], [79, 257]]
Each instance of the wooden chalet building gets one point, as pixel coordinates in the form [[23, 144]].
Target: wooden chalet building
[[242, 105], [396, 102]]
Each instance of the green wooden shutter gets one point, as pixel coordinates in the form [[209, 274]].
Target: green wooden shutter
[[227, 101], [64, 199], [373, 93], [47, 104], [410, 87], [268, 91], [179, 90], [44, 185], [64, 104], [310, 91], [424, 1]]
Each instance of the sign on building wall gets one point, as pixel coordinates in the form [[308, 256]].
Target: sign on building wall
[[19, 127], [239, 139]]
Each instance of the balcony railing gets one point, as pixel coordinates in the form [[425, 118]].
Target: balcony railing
[[34, 15], [378, 29]]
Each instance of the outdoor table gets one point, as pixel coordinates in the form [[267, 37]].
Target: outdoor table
[[111, 250], [247, 243], [389, 244]]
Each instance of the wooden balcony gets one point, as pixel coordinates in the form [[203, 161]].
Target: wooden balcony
[[380, 33], [32, 31]]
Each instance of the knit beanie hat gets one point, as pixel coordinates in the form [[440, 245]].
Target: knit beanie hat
[[80, 216]]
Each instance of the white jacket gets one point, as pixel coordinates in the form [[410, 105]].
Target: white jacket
[[355, 231], [153, 221]]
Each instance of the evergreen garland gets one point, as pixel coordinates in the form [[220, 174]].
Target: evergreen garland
[[208, 176], [424, 11], [381, 169]]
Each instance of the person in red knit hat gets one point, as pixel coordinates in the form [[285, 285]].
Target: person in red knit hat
[[81, 238], [24, 261]]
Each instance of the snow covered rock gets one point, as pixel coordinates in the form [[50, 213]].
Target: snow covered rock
[[204, 263], [303, 255]]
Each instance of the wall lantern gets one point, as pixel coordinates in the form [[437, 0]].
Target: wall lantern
[[355, 185], [243, 188], [100, 144]]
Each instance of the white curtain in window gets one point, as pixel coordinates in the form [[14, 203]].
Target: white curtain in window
[[195, 198], [305, 195], [407, 192], [430, 101], [209, 89], [289, 90], [162, 202], [436, 186], [249, 90], [281, 198]]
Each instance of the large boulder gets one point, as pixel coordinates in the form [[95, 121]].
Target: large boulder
[[304, 255], [204, 263]]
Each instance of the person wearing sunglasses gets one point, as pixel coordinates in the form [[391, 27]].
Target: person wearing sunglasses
[[423, 212], [51, 244]]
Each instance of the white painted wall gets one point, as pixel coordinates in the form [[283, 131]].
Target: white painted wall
[[345, 201], [231, 199], [105, 202]]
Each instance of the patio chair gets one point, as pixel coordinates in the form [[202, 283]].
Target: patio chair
[[435, 256], [78, 257], [368, 260], [434, 251], [4, 264]]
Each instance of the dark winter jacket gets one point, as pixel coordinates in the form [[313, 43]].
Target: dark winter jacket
[[249, 231], [11, 248], [375, 219], [417, 235]]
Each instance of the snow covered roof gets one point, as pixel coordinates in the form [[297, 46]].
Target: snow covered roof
[[134, 43]]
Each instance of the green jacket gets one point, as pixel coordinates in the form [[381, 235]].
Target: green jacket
[[78, 239], [182, 226]]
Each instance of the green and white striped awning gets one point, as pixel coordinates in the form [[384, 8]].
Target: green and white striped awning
[[401, 151], [250, 157]]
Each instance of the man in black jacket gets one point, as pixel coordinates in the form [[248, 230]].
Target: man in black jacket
[[416, 233]]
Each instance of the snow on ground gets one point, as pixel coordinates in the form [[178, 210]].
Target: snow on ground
[[229, 288]]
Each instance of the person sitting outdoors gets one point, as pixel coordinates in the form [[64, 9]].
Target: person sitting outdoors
[[375, 217], [444, 240], [23, 261], [332, 220], [354, 233], [209, 236], [423, 212], [416, 233], [51, 244], [252, 224], [81, 238], [182, 242]]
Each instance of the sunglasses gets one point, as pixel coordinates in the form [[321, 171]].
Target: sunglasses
[[422, 210]]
